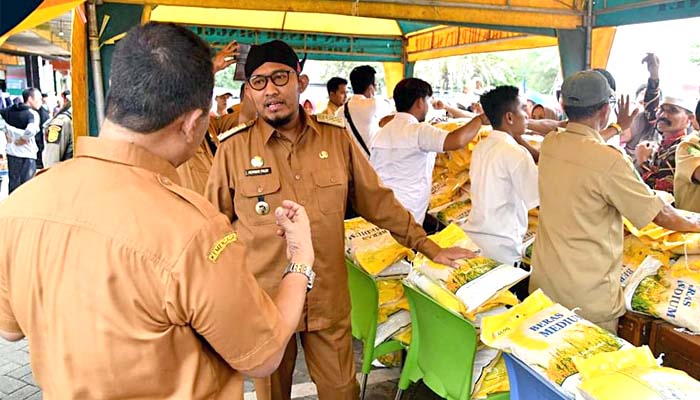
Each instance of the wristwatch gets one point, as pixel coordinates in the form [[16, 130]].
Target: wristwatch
[[302, 269]]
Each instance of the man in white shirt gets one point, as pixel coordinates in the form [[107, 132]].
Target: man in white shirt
[[363, 111], [503, 179], [404, 150], [23, 123]]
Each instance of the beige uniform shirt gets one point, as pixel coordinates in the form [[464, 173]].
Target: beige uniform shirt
[[585, 188], [127, 285], [687, 189], [321, 170]]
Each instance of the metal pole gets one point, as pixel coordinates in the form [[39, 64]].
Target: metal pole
[[589, 33], [94, 46]]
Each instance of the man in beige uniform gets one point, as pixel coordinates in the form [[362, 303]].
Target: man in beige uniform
[[287, 154], [686, 180], [126, 284], [585, 188]]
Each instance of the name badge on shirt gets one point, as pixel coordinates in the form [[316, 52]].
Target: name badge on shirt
[[258, 171]]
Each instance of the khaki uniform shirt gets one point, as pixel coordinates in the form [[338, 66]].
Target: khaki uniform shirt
[[195, 171], [58, 139], [320, 170], [331, 109], [687, 189], [128, 285], [585, 188]]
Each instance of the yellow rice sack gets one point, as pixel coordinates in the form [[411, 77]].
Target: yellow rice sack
[[436, 291], [672, 294], [633, 374], [371, 247], [446, 188], [455, 212], [495, 380], [634, 251], [547, 336]]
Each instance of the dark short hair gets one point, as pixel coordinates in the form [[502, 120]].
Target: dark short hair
[[697, 110], [334, 84], [578, 113], [608, 77], [497, 102], [408, 91], [242, 92], [361, 78], [28, 92], [160, 71]]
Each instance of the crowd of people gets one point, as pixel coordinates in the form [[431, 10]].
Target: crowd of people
[[182, 248], [35, 136]]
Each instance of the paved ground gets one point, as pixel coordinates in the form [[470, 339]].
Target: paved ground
[[16, 382]]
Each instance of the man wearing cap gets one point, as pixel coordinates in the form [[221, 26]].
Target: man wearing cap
[[127, 285], [585, 187], [657, 162], [288, 154]]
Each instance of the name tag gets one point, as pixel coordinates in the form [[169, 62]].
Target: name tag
[[258, 171]]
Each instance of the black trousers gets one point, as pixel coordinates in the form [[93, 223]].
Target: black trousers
[[20, 170]]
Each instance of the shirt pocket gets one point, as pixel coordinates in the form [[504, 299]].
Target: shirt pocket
[[331, 190], [250, 191]]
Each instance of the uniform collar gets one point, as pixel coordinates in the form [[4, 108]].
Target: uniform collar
[[268, 130], [125, 153], [583, 130], [670, 139]]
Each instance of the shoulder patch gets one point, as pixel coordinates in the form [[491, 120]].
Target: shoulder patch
[[220, 245], [235, 130], [53, 133], [330, 120]]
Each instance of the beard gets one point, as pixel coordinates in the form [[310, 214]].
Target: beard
[[279, 121]]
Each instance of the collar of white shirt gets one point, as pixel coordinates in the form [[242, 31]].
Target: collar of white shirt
[[504, 136]]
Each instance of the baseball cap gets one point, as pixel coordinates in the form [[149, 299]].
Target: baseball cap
[[679, 101], [222, 92], [585, 89]]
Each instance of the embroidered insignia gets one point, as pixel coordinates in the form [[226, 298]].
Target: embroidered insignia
[[219, 246], [331, 120], [53, 133], [236, 129]]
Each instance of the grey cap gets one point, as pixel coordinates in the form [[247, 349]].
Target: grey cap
[[585, 89]]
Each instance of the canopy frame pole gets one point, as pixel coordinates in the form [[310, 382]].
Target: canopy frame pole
[[96, 58], [588, 21]]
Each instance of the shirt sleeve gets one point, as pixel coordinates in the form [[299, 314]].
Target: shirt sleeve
[[377, 204], [220, 185], [211, 290], [525, 181], [624, 190], [687, 160], [431, 138], [8, 322]]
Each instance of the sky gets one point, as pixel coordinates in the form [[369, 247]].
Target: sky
[[671, 41]]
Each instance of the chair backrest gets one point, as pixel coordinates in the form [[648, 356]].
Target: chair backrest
[[446, 346], [364, 298]]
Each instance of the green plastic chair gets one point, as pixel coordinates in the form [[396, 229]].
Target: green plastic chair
[[443, 346], [364, 297]]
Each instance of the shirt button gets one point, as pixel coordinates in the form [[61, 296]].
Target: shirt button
[[164, 180], [260, 189], [297, 177], [332, 180], [302, 202]]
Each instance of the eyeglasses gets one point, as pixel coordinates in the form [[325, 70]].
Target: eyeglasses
[[279, 78]]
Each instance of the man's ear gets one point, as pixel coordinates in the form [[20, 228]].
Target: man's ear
[[303, 83], [189, 124], [508, 117]]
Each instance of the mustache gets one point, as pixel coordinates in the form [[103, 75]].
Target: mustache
[[664, 120]]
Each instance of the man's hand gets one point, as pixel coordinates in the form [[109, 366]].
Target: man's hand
[[625, 112], [438, 105], [449, 256], [295, 228], [652, 62], [644, 151], [226, 57]]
